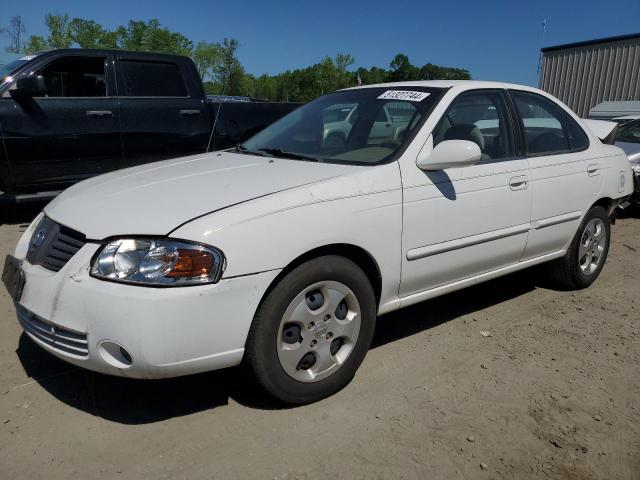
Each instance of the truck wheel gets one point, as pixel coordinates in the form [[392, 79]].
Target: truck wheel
[[312, 330], [587, 253]]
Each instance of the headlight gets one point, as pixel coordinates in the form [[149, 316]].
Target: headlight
[[160, 262]]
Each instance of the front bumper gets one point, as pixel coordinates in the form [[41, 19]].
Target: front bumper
[[165, 332]]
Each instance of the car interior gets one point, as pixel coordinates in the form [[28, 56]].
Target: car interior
[[75, 77], [478, 118]]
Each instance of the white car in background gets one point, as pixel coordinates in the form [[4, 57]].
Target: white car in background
[[281, 253], [628, 139], [387, 127]]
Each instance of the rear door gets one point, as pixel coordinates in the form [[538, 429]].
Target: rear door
[[564, 177], [163, 110], [68, 134]]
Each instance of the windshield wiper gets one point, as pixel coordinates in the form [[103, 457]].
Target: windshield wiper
[[260, 153], [278, 152]]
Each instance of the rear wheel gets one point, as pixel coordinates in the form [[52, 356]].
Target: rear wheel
[[312, 331], [587, 253]]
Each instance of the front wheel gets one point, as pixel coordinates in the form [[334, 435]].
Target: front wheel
[[312, 330], [587, 253]]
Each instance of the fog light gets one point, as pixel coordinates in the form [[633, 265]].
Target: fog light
[[114, 354]]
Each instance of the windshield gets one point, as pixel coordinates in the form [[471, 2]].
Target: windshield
[[362, 126], [8, 68]]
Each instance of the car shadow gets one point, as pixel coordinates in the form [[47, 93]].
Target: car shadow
[[12, 214], [132, 402]]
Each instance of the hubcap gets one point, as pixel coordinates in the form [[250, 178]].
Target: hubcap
[[324, 320], [592, 245]]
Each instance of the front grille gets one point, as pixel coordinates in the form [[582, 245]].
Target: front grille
[[52, 245], [57, 337]]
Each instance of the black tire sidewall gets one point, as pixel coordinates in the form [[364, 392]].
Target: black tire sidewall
[[261, 348]]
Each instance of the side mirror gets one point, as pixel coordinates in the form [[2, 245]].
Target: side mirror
[[449, 154], [31, 86]]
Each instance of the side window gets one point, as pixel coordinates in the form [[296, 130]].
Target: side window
[[481, 117], [542, 122], [152, 79], [75, 77], [578, 140]]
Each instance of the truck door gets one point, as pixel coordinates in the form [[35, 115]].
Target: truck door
[[163, 110], [64, 135]]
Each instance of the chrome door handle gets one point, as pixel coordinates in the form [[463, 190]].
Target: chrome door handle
[[189, 113], [593, 170], [518, 183], [99, 113]]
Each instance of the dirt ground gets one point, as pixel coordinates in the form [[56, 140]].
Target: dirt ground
[[553, 392]]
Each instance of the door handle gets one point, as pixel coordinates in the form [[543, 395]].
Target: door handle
[[99, 113], [189, 113], [593, 170], [518, 183]]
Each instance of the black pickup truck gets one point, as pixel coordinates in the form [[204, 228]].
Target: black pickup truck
[[66, 115]]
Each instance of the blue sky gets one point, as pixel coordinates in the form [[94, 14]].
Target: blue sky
[[495, 40]]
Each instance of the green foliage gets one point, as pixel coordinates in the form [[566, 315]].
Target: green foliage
[[59, 26], [207, 56], [89, 34], [151, 37], [36, 43], [436, 72], [218, 64]]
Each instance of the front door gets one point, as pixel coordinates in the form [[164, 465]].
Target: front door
[[461, 222], [66, 135]]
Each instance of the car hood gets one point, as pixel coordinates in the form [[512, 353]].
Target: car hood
[[156, 198]]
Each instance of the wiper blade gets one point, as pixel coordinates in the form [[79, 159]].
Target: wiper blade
[[260, 153], [278, 152]]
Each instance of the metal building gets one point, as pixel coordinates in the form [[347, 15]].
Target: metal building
[[584, 74]]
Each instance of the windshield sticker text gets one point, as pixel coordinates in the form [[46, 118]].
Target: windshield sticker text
[[404, 95]]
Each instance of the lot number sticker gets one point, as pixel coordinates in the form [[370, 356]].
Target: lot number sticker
[[404, 95]]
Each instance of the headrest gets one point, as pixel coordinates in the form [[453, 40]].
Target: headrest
[[465, 131]]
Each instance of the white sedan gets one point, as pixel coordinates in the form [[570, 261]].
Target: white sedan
[[281, 253]]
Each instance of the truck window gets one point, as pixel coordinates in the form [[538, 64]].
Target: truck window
[[75, 77], [152, 79]]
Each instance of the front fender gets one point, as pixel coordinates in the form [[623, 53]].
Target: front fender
[[364, 210]]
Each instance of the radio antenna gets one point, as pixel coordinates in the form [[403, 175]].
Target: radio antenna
[[544, 30]]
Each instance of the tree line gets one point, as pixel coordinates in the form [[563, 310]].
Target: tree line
[[217, 62]]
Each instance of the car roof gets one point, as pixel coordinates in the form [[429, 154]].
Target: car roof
[[460, 84]]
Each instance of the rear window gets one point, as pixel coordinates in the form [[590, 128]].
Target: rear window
[[152, 79]]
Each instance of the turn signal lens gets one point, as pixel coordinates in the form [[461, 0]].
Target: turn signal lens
[[192, 263], [161, 262]]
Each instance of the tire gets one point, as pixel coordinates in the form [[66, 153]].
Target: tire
[[574, 271], [292, 323]]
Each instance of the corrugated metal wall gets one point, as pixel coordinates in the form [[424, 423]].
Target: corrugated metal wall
[[586, 75]]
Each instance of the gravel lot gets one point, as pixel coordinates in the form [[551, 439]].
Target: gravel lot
[[552, 392]]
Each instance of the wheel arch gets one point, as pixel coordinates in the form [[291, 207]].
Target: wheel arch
[[607, 203], [358, 255]]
